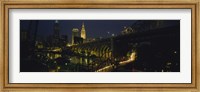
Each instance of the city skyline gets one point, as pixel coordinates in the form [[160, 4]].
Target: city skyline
[[94, 28], [129, 46]]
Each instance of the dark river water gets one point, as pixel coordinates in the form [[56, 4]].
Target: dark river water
[[57, 62]]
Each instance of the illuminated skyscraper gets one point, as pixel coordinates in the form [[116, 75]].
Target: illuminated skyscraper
[[75, 33], [83, 32]]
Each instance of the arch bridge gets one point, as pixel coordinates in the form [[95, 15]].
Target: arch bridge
[[119, 46]]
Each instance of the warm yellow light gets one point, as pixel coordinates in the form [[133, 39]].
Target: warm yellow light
[[109, 67], [57, 49], [57, 56], [69, 45], [133, 56]]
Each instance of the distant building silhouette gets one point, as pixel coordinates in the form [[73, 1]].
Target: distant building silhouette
[[56, 29], [56, 33], [78, 40], [64, 40], [75, 33]]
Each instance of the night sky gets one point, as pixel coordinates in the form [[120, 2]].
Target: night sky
[[94, 28]]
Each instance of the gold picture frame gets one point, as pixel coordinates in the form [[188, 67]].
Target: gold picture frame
[[106, 4]]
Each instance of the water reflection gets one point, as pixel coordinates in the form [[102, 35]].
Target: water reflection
[[58, 62]]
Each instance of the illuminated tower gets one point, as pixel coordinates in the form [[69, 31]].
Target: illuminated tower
[[83, 33], [75, 33]]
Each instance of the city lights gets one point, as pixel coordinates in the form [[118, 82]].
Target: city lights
[[99, 46]]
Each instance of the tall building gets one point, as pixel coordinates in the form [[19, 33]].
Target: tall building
[[75, 33], [78, 40], [83, 32], [56, 34], [56, 29], [63, 40]]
